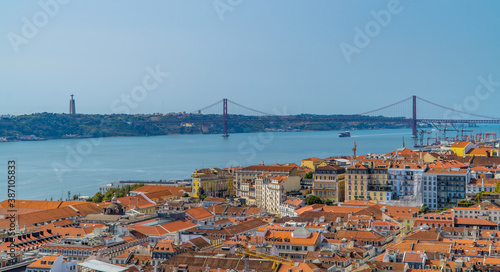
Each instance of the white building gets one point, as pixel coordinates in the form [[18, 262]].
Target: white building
[[406, 180], [274, 189], [289, 207], [52, 264]]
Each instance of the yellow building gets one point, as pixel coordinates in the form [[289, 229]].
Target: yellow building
[[368, 182], [379, 187], [213, 182], [329, 183], [461, 148], [312, 163]]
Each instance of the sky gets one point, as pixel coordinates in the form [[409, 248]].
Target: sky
[[294, 56]]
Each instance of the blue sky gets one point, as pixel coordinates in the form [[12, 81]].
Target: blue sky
[[268, 55]]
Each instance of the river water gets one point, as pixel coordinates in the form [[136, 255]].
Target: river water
[[51, 168]]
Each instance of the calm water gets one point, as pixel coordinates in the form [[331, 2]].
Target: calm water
[[52, 168]]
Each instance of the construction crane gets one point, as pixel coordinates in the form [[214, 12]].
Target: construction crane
[[246, 253], [354, 150]]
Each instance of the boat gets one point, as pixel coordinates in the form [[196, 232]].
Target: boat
[[225, 135], [345, 134]]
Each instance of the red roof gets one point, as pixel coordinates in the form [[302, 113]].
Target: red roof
[[199, 213]]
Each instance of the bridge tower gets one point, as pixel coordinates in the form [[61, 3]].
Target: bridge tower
[[224, 118], [414, 119]]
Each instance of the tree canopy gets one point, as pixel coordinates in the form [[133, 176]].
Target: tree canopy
[[312, 199]]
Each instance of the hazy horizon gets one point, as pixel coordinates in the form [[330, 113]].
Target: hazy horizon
[[322, 57]]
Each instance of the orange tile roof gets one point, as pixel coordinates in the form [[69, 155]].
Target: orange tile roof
[[342, 209], [45, 260], [149, 230], [359, 235], [481, 151], [485, 181], [135, 201], [357, 166], [459, 144], [294, 202], [199, 213], [40, 204], [447, 164], [402, 153], [30, 219], [413, 257], [312, 159], [178, 225], [309, 208], [280, 236], [408, 166], [150, 188], [446, 171], [400, 212], [299, 267], [384, 223], [482, 169], [474, 221], [360, 203], [269, 168]]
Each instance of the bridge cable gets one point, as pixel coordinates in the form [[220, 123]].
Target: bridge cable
[[463, 112], [209, 106], [250, 109]]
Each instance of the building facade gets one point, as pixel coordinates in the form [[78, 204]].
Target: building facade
[[213, 182], [329, 183]]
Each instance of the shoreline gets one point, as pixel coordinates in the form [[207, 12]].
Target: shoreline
[[183, 134]]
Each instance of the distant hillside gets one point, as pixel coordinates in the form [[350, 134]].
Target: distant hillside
[[56, 126]]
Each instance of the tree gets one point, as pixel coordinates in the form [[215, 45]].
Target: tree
[[312, 199], [497, 188], [75, 197], [185, 195], [309, 175], [328, 202], [97, 197], [424, 209]]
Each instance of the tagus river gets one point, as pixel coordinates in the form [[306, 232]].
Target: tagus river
[[51, 168]]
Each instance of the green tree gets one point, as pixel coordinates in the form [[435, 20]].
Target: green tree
[[424, 209], [75, 197], [312, 199], [97, 198], [309, 175], [185, 195], [328, 202]]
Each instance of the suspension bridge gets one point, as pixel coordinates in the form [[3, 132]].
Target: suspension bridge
[[412, 111]]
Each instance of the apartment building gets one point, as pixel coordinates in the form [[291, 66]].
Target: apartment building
[[213, 182], [329, 183], [368, 182]]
